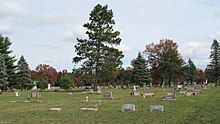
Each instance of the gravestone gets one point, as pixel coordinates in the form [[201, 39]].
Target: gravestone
[[156, 108], [35, 95], [69, 93], [169, 97], [55, 109], [134, 88], [99, 90], [135, 94], [128, 107], [48, 86], [16, 94], [190, 93], [107, 95], [0, 91], [89, 109], [149, 95]]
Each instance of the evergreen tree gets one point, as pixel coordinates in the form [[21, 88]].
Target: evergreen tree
[[190, 71], [3, 74], [9, 60], [23, 75], [140, 73], [101, 40], [213, 69]]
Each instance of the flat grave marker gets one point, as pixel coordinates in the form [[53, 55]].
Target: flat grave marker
[[128, 107], [156, 108]]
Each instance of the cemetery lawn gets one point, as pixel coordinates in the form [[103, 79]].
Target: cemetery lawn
[[201, 109]]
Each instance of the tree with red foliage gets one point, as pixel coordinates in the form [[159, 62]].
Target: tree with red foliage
[[201, 76], [165, 60], [48, 73]]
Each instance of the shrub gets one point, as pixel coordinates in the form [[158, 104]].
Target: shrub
[[65, 82]]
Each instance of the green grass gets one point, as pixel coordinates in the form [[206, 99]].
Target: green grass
[[201, 109]]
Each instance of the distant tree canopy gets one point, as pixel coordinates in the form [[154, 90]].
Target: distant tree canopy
[[98, 52]]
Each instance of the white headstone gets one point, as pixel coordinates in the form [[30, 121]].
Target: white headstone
[[134, 88], [16, 94], [34, 88], [48, 86]]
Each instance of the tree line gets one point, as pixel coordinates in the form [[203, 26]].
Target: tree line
[[159, 64]]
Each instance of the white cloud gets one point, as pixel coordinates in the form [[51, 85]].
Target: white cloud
[[196, 50], [124, 48], [216, 35], [9, 7], [76, 32], [51, 46], [4, 28]]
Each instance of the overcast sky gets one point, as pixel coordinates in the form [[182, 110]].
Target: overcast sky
[[45, 31]]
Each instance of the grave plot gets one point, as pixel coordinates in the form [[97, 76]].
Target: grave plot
[[169, 97], [34, 96], [90, 105]]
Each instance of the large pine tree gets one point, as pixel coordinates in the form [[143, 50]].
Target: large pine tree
[[213, 69], [9, 60], [98, 50], [191, 71], [140, 74], [3, 74], [23, 75]]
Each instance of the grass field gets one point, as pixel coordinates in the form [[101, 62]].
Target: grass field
[[201, 109]]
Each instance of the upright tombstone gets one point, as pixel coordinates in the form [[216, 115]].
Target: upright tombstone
[[107, 95], [0, 91], [16, 94], [48, 86], [134, 88], [128, 107], [156, 108], [99, 90], [35, 95]]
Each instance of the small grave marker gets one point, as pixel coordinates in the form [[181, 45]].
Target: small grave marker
[[128, 107], [135, 94], [190, 93], [107, 95], [55, 109], [156, 108], [169, 97], [35, 95], [16, 94], [149, 95]]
